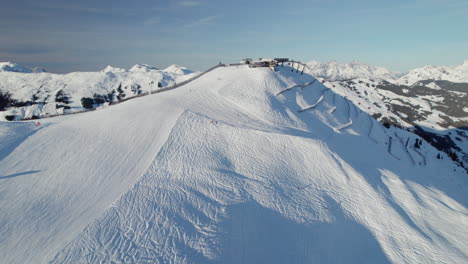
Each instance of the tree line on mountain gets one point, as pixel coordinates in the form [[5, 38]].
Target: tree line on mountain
[[6, 100]]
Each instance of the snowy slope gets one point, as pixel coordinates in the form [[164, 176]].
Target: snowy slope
[[39, 94], [458, 73], [335, 71], [432, 98], [240, 166], [438, 107]]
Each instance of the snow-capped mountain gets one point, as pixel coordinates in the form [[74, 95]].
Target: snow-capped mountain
[[13, 67], [456, 74], [177, 69], [35, 95], [113, 69], [143, 68], [242, 165], [335, 71]]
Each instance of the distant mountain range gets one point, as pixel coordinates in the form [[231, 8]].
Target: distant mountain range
[[457, 74], [334, 71], [14, 67], [25, 94]]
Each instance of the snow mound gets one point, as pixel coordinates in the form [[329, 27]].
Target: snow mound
[[13, 67], [335, 71]]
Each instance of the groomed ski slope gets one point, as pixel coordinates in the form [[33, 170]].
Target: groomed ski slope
[[226, 170]]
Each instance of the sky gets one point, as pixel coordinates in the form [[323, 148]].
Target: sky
[[87, 35]]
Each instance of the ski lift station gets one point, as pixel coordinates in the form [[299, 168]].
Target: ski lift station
[[262, 62]]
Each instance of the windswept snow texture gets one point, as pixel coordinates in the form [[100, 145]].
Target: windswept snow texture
[[42, 94], [226, 169]]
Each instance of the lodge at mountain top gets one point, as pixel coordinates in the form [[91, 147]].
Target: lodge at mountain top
[[262, 62], [273, 63]]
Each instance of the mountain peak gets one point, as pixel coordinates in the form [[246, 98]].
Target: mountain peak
[[13, 67], [174, 68], [113, 69], [142, 68]]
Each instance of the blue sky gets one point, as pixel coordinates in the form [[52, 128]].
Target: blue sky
[[84, 35]]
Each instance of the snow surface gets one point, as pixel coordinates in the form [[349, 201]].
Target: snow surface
[[372, 101], [228, 169]]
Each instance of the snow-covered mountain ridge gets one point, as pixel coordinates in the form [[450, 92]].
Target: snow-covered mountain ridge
[[456, 74], [239, 166], [432, 100], [335, 71], [435, 110], [40, 94]]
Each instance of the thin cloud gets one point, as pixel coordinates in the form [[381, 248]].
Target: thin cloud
[[202, 21], [90, 10], [189, 3], [73, 7], [152, 21]]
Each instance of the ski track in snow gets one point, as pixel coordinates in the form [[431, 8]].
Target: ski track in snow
[[224, 169]]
